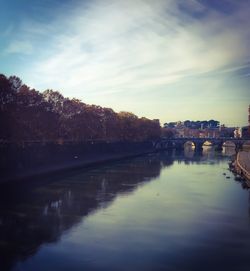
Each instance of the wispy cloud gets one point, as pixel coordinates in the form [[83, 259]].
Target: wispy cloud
[[19, 47], [112, 45], [115, 46]]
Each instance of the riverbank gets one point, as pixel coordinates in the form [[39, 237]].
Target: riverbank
[[19, 162], [241, 165]]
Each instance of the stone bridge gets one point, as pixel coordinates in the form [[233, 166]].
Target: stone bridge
[[178, 143]]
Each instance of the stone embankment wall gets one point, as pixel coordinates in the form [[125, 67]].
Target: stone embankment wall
[[20, 161], [242, 164]]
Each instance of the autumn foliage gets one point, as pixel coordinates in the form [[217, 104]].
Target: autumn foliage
[[29, 115]]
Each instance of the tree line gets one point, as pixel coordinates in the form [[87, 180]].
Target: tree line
[[29, 115]]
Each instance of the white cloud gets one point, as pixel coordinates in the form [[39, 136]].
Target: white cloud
[[122, 43], [19, 47], [117, 46]]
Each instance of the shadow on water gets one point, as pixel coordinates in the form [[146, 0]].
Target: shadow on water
[[33, 214], [37, 213]]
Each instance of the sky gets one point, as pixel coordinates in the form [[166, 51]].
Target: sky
[[169, 60]]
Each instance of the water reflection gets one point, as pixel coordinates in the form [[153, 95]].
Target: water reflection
[[190, 155], [32, 215], [36, 214], [228, 151]]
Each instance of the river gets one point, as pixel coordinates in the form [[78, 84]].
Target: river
[[176, 212]]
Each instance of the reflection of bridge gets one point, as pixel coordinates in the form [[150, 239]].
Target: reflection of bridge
[[178, 143]]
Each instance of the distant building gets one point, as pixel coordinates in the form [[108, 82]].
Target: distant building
[[203, 124], [226, 131], [205, 129], [212, 132]]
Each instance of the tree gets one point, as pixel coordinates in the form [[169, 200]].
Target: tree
[[167, 133], [15, 83], [27, 114]]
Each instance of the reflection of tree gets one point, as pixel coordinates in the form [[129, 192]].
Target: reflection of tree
[[41, 211], [31, 216], [166, 158]]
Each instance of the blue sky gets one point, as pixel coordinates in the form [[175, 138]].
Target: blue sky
[[171, 59]]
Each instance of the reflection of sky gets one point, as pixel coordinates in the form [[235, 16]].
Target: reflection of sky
[[162, 59], [179, 220]]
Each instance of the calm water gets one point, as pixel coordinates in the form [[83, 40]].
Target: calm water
[[158, 212]]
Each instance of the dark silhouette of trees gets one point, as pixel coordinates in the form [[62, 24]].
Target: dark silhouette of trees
[[28, 115], [168, 133]]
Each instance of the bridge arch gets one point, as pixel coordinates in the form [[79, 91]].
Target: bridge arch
[[208, 143], [196, 144], [189, 144], [229, 143]]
